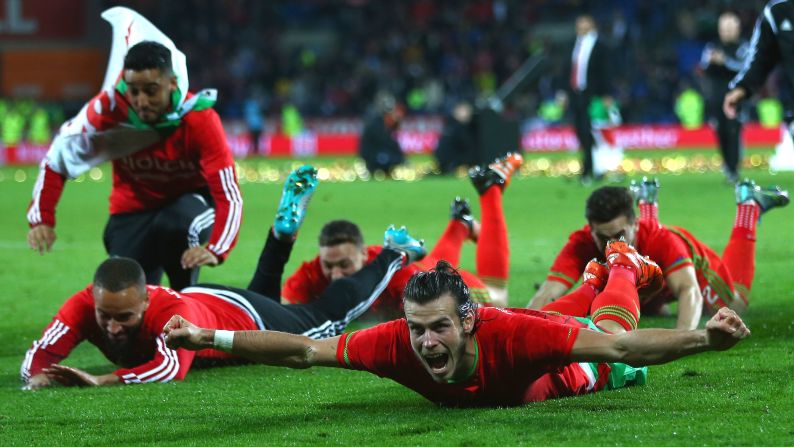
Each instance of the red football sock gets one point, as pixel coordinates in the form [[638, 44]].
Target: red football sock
[[575, 304], [739, 254], [619, 301], [493, 252], [448, 245], [649, 211]]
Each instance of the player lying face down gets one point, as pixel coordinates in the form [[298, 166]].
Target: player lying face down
[[455, 354], [441, 320], [610, 214], [342, 249]]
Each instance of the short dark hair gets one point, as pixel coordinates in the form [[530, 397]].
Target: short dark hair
[[116, 274], [147, 55], [588, 15], [340, 231], [424, 287], [609, 202]]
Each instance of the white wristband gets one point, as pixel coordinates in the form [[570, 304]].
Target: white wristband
[[223, 340]]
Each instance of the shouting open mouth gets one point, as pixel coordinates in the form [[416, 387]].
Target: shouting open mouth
[[437, 362]]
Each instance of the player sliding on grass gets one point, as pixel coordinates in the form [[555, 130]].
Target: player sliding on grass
[[342, 249], [124, 317], [695, 275], [455, 354]]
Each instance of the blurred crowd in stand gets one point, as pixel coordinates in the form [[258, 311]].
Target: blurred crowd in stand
[[331, 58], [310, 59]]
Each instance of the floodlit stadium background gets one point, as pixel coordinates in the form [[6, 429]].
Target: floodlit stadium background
[[331, 60]]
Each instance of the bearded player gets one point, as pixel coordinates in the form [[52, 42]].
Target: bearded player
[[175, 204], [454, 354], [343, 252], [124, 318], [694, 274]]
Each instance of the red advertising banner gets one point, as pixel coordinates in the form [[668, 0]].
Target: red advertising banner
[[630, 137], [645, 137]]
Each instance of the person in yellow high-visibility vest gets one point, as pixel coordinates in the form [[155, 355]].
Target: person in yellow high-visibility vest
[[39, 128], [12, 125], [689, 107]]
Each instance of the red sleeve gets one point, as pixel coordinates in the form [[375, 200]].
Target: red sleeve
[[540, 342], [217, 166], [572, 259], [373, 349], [46, 194], [167, 364], [301, 287], [61, 335]]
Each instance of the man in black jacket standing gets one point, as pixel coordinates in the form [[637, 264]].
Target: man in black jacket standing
[[721, 61], [772, 43], [378, 145], [588, 71]]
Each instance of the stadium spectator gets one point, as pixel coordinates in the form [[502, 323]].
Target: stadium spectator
[[378, 145], [457, 145], [39, 128], [457, 355], [689, 106], [769, 47], [13, 126], [124, 318], [588, 77], [695, 275], [342, 249], [720, 62], [254, 119], [174, 181]]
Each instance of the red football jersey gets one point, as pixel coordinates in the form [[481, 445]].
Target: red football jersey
[[522, 356], [149, 360], [193, 156], [308, 283], [714, 279], [657, 242]]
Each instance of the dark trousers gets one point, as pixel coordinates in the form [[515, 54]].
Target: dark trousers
[[384, 161], [344, 300], [157, 239], [580, 104], [729, 136]]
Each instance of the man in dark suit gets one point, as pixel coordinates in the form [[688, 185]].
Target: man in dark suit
[[771, 45], [587, 72], [721, 61]]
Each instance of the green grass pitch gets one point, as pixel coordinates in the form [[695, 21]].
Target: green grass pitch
[[739, 397]]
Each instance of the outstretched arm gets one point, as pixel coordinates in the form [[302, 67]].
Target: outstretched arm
[[683, 284], [268, 347], [41, 211], [656, 346], [549, 291]]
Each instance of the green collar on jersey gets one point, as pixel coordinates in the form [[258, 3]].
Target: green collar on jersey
[[473, 368], [173, 118]]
